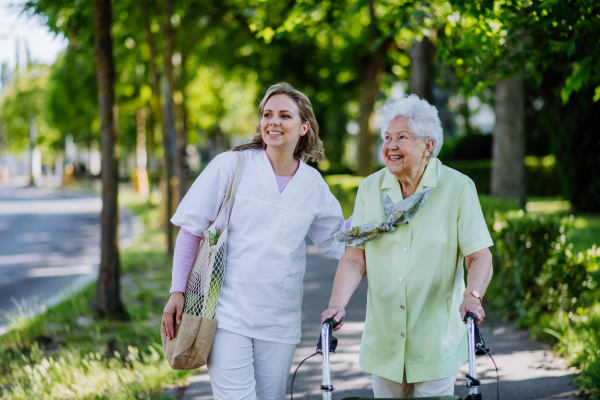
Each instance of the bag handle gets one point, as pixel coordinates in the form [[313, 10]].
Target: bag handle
[[231, 191], [236, 182]]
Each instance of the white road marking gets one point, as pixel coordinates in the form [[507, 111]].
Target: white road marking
[[60, 271]]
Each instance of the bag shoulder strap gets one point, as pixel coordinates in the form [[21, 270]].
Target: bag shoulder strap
[[231, 190], [235, 183]]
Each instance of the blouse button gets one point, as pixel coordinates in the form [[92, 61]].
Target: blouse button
[[405, 250], [401, 279], [401, 308], [402, 334]]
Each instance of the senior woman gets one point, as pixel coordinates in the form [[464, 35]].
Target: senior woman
[[414, 224]]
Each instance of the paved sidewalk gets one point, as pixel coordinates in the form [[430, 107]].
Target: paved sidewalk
[[528, 371]]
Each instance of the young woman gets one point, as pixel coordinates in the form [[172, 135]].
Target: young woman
[[279, 201]]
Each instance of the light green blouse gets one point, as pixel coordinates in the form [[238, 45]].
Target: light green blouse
[[416, 277]]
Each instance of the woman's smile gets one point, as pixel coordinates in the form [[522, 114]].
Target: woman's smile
[[395, 157]]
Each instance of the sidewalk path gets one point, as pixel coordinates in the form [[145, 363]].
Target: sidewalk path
[[528, 371]]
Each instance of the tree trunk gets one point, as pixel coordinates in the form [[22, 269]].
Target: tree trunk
[[140, 179], [371, 78], [3, 166], [108, 297], [155, 113], [169, 140], [151, 140], [420, 63], [32, 139], [163, 121], [183, 172], [508, 150]]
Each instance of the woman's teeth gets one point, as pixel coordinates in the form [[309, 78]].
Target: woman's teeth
[[275, 133], [395, 157]]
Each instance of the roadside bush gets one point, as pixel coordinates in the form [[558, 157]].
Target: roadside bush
[[535, 272], [496, 209], [578, 335]]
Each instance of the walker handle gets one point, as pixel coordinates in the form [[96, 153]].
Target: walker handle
[[332, 323], [470, 315]]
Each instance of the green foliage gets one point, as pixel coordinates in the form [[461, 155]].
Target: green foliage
[[535, 270], [492, 40], [574, 142], [578, 335], [71, 98], [547, 284], [23, 99], [585, 233], [92, 376], [494, 208]]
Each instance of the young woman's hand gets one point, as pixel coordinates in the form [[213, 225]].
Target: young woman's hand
[[171, 313]]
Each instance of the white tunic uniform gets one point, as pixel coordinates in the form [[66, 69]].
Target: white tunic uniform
[[266, 255]]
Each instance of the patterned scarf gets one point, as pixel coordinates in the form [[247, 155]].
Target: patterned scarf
[[398, 213]]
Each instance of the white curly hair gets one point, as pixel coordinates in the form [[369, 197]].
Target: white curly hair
[[422, 117]]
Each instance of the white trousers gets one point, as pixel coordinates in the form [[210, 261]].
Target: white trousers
[[243, 368], [383, 388]]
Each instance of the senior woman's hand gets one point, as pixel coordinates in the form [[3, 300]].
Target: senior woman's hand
[[472, 304], [479, 275], [335, 311]]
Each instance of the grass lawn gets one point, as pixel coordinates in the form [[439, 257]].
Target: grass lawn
[[585, 232], [66, 352]]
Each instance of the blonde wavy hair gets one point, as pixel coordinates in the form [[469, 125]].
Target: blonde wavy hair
[[309, 146]]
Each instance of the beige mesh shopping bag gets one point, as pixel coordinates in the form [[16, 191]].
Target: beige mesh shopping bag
[[193, 338]]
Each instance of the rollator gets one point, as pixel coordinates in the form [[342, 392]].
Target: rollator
[[327, 344]]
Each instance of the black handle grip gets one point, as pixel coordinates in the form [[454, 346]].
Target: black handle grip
[[470, 315], [332, 323]]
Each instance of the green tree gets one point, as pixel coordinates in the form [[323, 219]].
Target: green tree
[[369, 42], [21, 99], [108, 296], [493, 43], [71, 99]]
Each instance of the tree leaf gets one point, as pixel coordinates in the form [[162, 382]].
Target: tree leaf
[[570, 47]]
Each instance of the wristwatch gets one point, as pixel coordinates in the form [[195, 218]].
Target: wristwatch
[[475, 294]]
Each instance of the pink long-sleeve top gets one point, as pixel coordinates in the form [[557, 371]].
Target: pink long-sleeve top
[[187, 244]]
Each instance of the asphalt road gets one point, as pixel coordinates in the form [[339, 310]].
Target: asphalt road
[[528, 371], [49, 245]]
